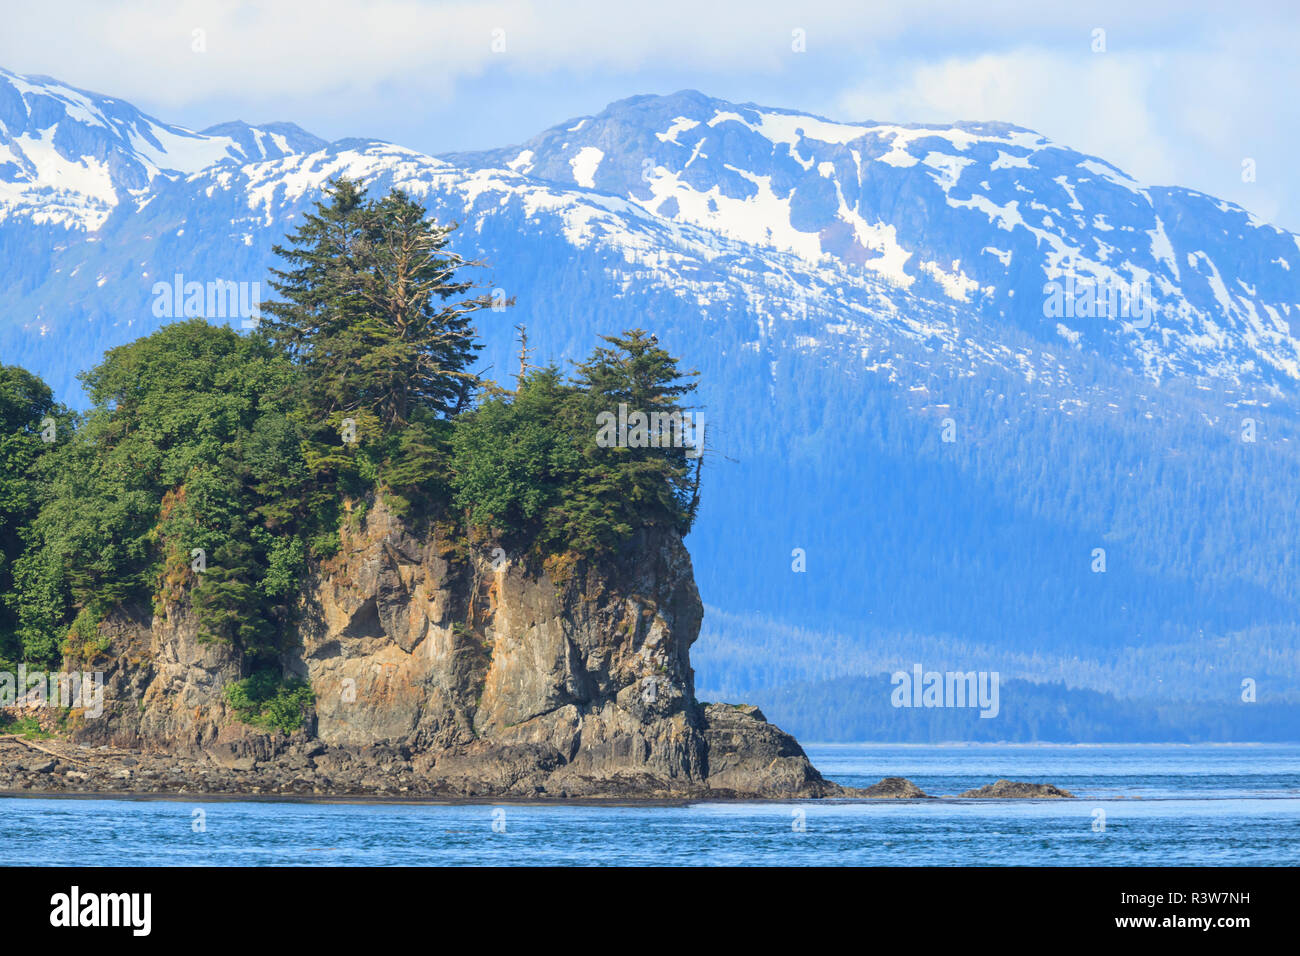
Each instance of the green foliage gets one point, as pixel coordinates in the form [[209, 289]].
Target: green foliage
[[267, 701], [286, 560], [532, 464], [377, 322], [27, 413], [26, 726], [158, 469], [228, 600], [514, 457], [372, 311], [622, 487], [83, 640], [415, 476]]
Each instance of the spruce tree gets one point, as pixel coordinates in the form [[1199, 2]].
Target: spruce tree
[[625, 486], [374, 311]]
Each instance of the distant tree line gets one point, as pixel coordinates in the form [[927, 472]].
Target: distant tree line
[[858, 709]]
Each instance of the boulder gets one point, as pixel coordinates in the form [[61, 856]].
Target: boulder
[[1017, 790], [893, 788]]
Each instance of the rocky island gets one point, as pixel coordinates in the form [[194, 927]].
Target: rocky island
[[327, 559]]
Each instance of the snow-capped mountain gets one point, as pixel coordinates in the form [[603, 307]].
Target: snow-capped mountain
[[946, 362], [937, 226], [980, 215], [69, 157]]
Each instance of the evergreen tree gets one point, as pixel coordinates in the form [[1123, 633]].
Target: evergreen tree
[[418, 335], [228, 604], [321, 285], [155, 470], [515, 459], [650, 476], [374, 311]]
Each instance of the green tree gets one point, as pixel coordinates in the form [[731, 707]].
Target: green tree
[[621, 486], [30, 422], [230, 606], [154, 471], [373, 310], [536, 463], [514, 458]]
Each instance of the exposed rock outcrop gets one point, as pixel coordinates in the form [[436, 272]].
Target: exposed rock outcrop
[[746, 754], [469, 672], [1015, 789], [894, 788]]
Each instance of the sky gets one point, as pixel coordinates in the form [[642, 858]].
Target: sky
[[1188, 93]]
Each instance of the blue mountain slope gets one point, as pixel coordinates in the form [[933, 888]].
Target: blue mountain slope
[[853, 295]]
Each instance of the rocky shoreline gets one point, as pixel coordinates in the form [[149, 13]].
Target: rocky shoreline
[[312, 771]]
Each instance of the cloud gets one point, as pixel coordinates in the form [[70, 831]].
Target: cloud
[[1166, 115], [294, 47], [1182, 94], [1099, 102]]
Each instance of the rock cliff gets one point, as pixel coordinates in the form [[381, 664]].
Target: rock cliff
[[466, 671]]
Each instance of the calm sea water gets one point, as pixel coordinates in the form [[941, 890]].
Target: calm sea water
[[1159, 805]]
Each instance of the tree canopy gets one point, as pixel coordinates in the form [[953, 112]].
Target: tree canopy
[[373, 309]]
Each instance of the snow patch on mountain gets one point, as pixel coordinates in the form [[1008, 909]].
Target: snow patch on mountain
[[584, 166]]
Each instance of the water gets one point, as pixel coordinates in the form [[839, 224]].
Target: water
[[1163, 805]]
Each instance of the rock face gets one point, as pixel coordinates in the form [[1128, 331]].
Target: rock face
[[746, 754], [1014, 789], [476, 672]]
